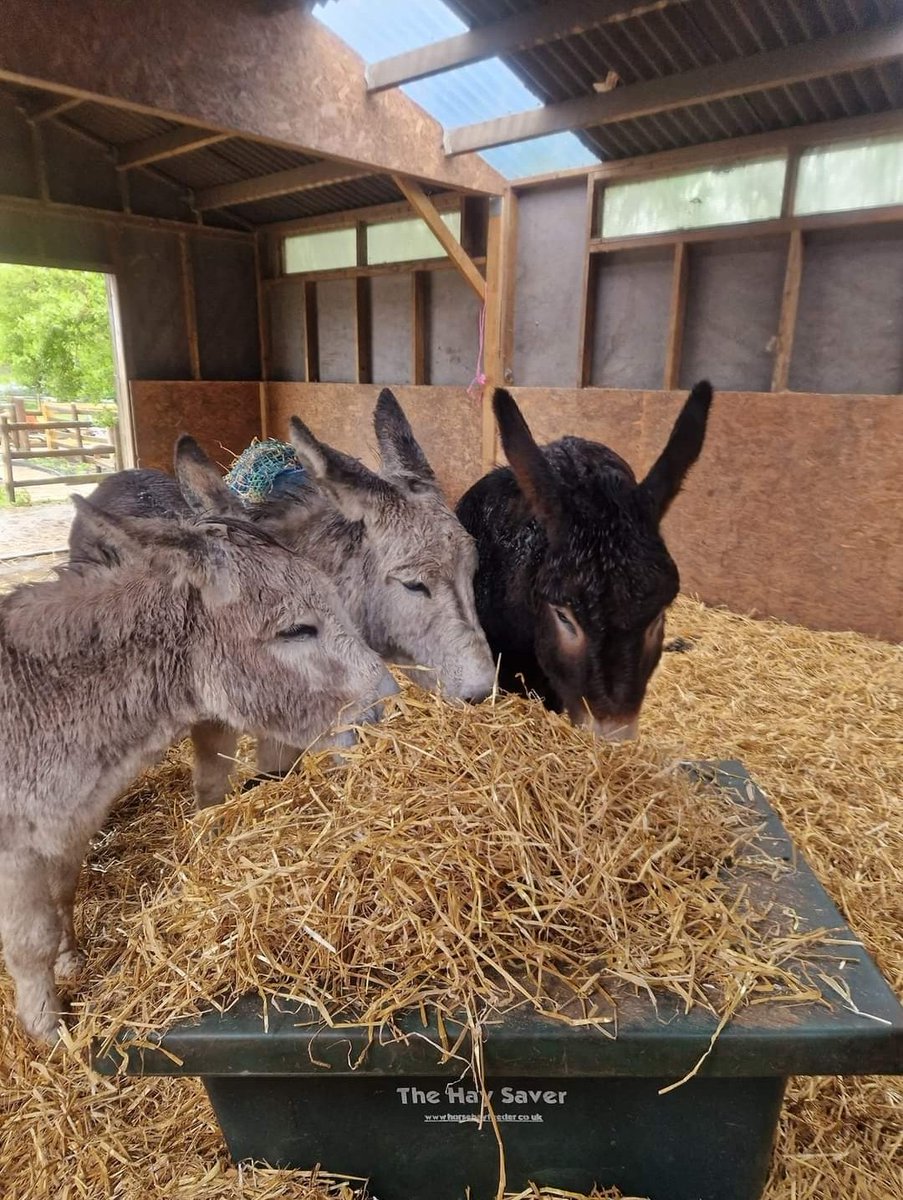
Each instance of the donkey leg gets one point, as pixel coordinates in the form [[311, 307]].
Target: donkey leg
[[63, 878], [275, 758], [30, 933], [214, 760]]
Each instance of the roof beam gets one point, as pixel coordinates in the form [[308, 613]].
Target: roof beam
[[755, 73], [424, 208], [165, 145], [55, 108], [519, 32], [279, 183]]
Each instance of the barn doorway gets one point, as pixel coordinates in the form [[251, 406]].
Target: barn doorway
[[64, 414]]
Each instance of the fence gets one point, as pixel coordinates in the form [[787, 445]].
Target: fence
[[24, 441]]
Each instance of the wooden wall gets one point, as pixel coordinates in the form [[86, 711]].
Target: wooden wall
[[791, 512], [445, 420], [849, 324], [224, 417]]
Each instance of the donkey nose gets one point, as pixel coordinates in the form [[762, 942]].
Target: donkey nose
[[616, 729], [387, 686]]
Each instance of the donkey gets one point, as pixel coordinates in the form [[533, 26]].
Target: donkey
[[401, 561], [102, 668], [574, 577]]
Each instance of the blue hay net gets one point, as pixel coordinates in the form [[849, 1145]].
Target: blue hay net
[[267, 468]]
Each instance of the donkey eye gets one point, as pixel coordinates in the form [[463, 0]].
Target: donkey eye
[[565, 620], [298, 633], [417, 586]]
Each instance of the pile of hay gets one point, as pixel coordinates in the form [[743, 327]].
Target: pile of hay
[[465, 859], [813, 716]]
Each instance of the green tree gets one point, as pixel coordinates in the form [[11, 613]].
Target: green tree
[[55, 332]]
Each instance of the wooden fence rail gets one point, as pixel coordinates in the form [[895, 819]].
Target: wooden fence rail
[[16, 446]]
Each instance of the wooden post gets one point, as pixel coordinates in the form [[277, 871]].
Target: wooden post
[[188, 300], [498, 327], [116, 439], [676, 315], [425, 209], [588, 297], [420, 370], [7, 453], [789, 305], [263, 337], [311, 334], [79, 440]]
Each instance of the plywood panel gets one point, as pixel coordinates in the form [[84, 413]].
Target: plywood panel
[[150, 285], [849, 329], [17, 175], [550, 250], [454, 330], [151, 197], [633, 291], [226, 303], [793, 508], [733, 306], [392, 332], [224, 417], [286, 331], [445, 420], [336, 328]]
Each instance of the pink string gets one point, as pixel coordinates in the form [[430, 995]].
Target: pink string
[[479, 379]]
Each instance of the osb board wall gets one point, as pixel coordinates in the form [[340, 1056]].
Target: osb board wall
[[793, 508], [446, 421], [223, 416]]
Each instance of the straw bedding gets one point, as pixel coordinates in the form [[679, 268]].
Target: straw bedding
[[813, 717]]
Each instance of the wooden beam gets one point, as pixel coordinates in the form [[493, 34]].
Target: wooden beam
[[789, 307], [676, 313], [165, 145], [392, 268], [501, 235], [507, 36], [420, 282], [425, 209], [587, 323], [54, 108], [279, 183], [443, 202], [311, 335], [190, 306], [39, 162], [363, 328], [753, 73], [106, 216]]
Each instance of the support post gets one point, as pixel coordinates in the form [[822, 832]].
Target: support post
[[188, 300], [588, 295], [7, 453], [676, 315], [789, 305], [311, 334], [498, 327]]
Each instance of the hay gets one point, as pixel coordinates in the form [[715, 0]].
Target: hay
[[814, 718]]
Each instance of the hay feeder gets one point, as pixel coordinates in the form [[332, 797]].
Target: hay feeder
[[570, 1105]]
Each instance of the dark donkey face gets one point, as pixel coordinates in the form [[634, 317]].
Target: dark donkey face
[[605, 578]]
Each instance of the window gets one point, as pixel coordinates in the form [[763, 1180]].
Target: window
[[855, 175], [404, 241], [321, 251], [715, 196]]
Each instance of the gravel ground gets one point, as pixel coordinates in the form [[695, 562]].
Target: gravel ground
[[34, 529]]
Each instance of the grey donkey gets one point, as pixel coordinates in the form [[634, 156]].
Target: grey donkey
[[401, 561], [175, 622]]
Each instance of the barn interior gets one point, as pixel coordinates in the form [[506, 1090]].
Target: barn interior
[[289, 231]]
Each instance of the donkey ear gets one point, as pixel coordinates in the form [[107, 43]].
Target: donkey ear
[[532, 472], [201, 483], [103, 539], [399, 451], [352, 487], [665, 478]]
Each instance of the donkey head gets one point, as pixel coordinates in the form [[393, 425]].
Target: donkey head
[[604, 577], [414, 590]]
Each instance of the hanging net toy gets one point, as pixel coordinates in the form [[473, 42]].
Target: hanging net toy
[[264, 469]]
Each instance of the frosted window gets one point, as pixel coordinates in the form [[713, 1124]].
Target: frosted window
[[857, 175], [404, 241], [715, 196], [321, 251]]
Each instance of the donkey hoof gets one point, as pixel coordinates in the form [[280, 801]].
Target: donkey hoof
[[42, 1027]]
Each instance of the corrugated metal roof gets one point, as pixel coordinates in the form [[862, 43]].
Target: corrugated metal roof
[[696, 33]]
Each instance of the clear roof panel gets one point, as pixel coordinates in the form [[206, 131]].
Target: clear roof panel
[[478, 92]]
